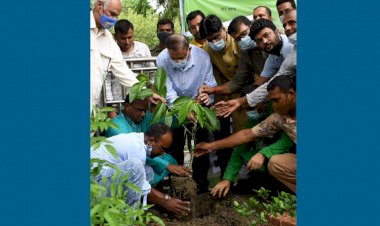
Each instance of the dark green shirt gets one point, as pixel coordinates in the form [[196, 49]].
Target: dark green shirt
[[244, 153]]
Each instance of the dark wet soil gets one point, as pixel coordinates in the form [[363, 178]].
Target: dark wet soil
[[205, 210]]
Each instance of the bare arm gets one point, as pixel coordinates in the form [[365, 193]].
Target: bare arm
[[241, 137]]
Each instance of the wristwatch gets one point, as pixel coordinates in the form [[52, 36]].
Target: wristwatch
[[167, 197]]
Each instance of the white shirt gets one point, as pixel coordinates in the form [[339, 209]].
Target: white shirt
[[127, 146], [106, 56]]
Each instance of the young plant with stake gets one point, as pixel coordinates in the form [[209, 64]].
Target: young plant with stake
[[181, 108]]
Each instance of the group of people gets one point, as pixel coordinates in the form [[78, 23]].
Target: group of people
[[246, 71]]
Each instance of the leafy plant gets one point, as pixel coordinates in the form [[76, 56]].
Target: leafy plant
[[181, 108], [111, 210], [262, 205]]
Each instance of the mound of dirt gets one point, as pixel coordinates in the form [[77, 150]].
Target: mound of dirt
[[205, 210]]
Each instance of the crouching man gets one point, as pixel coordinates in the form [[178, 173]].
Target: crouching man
[[132, 150]]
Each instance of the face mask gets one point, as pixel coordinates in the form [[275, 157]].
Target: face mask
[[149, 150], [162, 36], [293, 38], [254, 115], [180, 65], [282, 19], [107, 22], [217, 46], [247, 43]]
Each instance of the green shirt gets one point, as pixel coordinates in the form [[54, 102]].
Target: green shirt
[[244, 153]]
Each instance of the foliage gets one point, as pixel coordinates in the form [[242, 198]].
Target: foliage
[[144, 21], [181, 106], [261, 205], [111, 209]]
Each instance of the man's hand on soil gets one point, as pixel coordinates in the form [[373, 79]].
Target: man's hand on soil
[[256, 161], [179, 170], [177, 206], [221, 189], [202, 149]]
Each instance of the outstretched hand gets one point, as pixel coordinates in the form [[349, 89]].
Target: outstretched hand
[[179, 170], [225, 108], [206, 89], [202, 149]]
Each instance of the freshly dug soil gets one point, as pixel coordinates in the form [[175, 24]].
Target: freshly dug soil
[[205, 210]]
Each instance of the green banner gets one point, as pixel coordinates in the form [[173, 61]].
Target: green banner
[[226, 10]]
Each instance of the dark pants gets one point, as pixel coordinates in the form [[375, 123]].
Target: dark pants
[[224, 155], [200, 164]]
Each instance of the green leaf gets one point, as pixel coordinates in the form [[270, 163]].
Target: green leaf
[[107, 109], [160, 81], [159, 112], [144, 94], [142, 77], [133, 187], [197, 108], [158, 220], [211, 118], [135, 89], [110, 220], [112, 150], [184, 111], [181, 100], [169, 120]]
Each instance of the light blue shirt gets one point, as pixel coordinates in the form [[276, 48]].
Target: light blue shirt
[[187, 81], [274, 62], [127, 146]]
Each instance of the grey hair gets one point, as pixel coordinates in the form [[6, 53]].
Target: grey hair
[[105, 2]]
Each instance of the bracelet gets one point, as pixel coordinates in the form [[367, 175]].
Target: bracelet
[[167, 197]]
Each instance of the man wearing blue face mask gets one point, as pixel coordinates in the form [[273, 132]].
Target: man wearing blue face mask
[[105, 54], [187, 68]]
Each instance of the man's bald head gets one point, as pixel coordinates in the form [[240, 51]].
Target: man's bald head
[[177, 42]]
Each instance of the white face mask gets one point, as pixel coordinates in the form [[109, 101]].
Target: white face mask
[[247, 43], [293, 38], [149, 150], [282, 19], [217, 46], [181, 64]]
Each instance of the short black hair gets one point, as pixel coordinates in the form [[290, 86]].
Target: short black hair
[[165, 21], [194, 14], [266, 8], [122, 26], [210, 25], [283, 82], [235, 23], [157, 130], [259, 25], [292, 2]]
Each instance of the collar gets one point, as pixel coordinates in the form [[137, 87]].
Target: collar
[[93, 23], [285, 43]]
